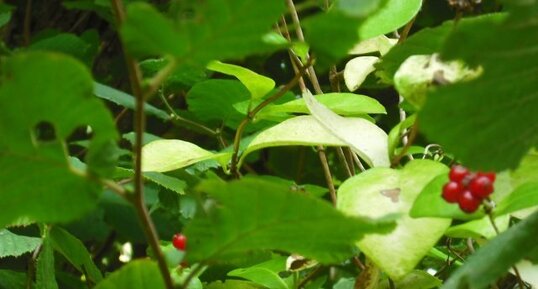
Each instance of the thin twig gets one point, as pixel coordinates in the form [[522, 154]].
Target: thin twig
[[135, 78], [403, 152], [327, 173], [343, 161], [187, 122], [191, 275], [27, 22]]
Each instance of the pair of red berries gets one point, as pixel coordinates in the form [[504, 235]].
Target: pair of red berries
[[467, 188], [179, 241]]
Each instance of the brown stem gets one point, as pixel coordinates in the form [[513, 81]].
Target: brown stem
[[327, 173], [27, 22], [412, 136], [135, 79]]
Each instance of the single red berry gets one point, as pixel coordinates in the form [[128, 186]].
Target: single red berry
[[179, 241], [489, 175], [452, 192], [481, 187], [458, 173], [469, 203]]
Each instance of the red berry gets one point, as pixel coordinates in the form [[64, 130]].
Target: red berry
[[452, 192], [481, 187], [458, 173], [489, 175], [469, 203], [179, 241]]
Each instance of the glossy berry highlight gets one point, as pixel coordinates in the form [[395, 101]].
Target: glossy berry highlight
[[452, 191], [468, 189], [481, 187], [468, 202], [179, 241]]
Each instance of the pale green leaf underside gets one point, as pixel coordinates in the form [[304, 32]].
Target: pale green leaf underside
[[365, 138], [139, 274], [173, 154], [256, 214], [357, 69], [307, 131], [12, 245], [258, 85], [381, 191]]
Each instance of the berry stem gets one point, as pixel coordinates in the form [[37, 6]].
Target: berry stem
[[489, 211]]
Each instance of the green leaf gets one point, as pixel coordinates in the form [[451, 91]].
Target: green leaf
[[357, 69], [15, 245], [213, 100], [347, 104], [325, 26], [256, 214], [523, 197], [146, 32], [54, 97], [291, 133], [205, 31], [481, 228], [12, 279], [505, 60], [165, 181], [527, 170], [392, 15], [365, 138], [494, 259], [420, 73], [429, 203], [45, 273], [428, 41], [71, 44], [126, 100], [172, 154], [358, 8], [75, 252], [265, 274], [415, 280], [258, 85], [138, 274], [381, 191]]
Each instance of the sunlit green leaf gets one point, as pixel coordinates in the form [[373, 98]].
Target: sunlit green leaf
[[265, 274], [347, 104], [392, 15], [167, 155], [381, 191], [255, 214], [257, 84], [481, 228]]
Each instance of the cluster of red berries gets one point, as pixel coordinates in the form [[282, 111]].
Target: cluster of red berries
[[179, 241], [467, 188]]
